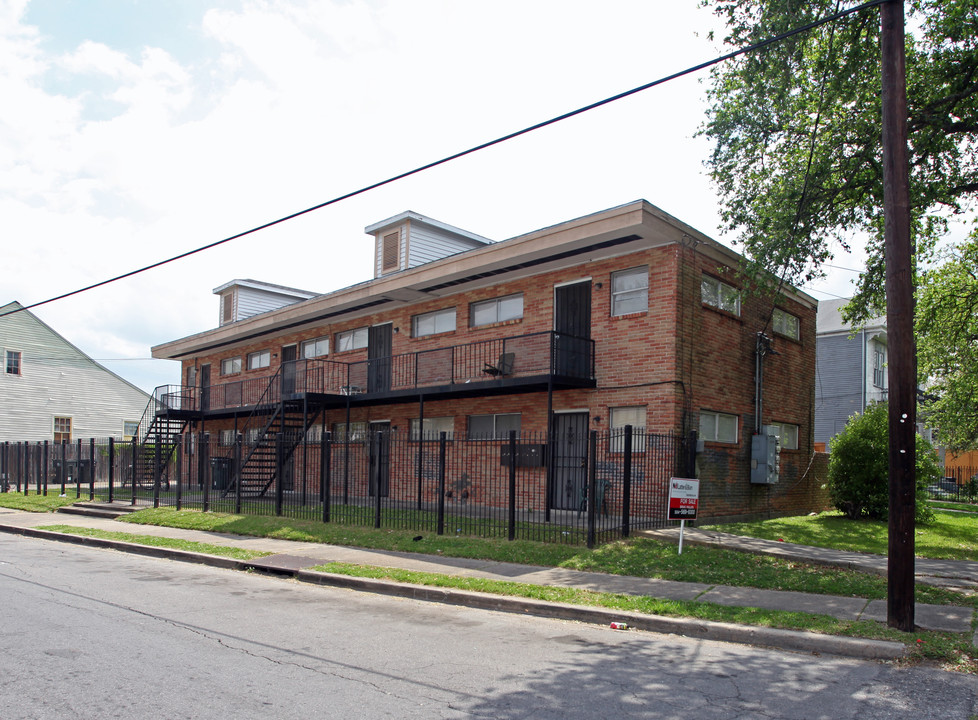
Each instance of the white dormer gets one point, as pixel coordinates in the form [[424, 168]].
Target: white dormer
[[410, 239], [244, 298]]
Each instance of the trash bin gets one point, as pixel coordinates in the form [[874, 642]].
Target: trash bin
[[220, 473]]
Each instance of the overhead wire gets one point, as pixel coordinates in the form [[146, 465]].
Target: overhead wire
[[462, 153]]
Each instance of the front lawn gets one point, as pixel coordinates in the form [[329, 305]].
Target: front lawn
[[32, 502]]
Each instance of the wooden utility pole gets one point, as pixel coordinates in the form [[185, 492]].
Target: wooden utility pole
[[902, 363]]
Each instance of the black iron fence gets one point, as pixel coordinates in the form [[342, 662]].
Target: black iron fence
[[959, 484], [608, 484]]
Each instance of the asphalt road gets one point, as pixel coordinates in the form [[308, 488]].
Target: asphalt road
[[90, 633]]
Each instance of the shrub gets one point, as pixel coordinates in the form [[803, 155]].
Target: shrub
[[859, 467]]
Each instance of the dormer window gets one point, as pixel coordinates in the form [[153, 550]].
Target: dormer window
[[391, 251], [227, 308]]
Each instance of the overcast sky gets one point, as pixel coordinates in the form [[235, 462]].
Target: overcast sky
[[134, 130]]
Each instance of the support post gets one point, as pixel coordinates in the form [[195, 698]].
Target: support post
[[626, 482], [592, 497], [442, 443], [512, 485]]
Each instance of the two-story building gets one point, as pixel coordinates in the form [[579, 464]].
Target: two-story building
[[626, 317]]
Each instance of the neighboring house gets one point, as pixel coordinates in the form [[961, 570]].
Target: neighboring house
[[850, 370], [51, 390], [624, 317]]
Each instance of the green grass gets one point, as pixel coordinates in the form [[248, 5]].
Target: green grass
[[948, 505], [951, 536], [32, 502], [154, 541]]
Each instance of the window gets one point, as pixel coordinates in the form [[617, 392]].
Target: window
[[432, 323], [433, 427], [315, 348], [879, 366], [630, 291], [496, 310], [785, 324], [718, 427], [720, 295], [358, 432], [227, 438], [788, 434], [13, 362], [130, 428], [260, 359], [493, 426], [230, 366], [618, 418], [390, 251], [62, 430], [227, 308], [351, 339], [252, 436]]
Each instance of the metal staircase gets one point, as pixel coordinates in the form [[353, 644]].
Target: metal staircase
[[156, 439]]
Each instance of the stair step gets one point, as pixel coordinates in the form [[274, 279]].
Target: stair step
[[102, 510]]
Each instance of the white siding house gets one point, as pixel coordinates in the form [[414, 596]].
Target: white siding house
[[49, 386]]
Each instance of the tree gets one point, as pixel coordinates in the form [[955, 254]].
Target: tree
[[858, 467], [947, 345], [796, 133]]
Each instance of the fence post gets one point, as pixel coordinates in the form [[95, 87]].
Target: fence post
[[377, 472], [78, 462], [512, 485], [204, 479], [592, 447], [111, 468], [64, 467], [25, 462], [237, 472], [42, 476], [133, 466], [442, 442], [91, 469], [4, 483], [325, 472], [279, 490], [178, 469], [157, 470], [626, 484]]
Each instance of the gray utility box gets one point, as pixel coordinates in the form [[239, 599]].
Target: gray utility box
[[765, 457]]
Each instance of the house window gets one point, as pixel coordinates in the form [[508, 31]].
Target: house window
[[618, 418], [227, 438], [230, 366], [433, 323], [259, 360], [62, 430], [879, 366], [788, 434], [785, 324], [485, 427], [351, 339], [358, 432], [227, 308], [496, 310], [720, 295], [130, 428], [13, 362], [391, 251], [432, 428], [718, 427], [630, 291], [315, 348], [253, 435]]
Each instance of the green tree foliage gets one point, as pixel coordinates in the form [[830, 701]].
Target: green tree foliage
[[796, 132], [859, 462], [947, 345]]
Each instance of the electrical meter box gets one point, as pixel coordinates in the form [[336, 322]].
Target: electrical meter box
[[765, 456]]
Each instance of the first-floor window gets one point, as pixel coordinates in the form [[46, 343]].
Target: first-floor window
[[358, 432], [618, 418], [433, 427], [227, 438], [260, 359], [230, 366], [483, 427], [879, 366], [718, 427], [62, 429], [788, 434], [130, 428], [13, 362]]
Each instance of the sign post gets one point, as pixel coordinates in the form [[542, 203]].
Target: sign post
[[684, 499]]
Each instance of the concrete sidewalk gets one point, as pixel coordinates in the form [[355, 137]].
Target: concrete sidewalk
[[294, 558]]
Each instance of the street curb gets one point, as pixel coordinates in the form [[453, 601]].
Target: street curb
[[701, 629]]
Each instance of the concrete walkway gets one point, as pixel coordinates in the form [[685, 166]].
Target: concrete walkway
[[289, 557]]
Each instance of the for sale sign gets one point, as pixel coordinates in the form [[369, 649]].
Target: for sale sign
[[684, 498]]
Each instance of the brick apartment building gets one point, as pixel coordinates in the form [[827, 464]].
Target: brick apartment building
[[624, 317]]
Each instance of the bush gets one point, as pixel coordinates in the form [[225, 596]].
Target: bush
[[859, 467]]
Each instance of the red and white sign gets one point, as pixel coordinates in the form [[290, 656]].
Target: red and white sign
[[684, 498]]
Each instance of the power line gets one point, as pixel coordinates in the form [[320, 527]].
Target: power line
[[455, 156]]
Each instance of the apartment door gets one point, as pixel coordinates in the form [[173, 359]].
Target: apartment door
[[205, 387], [380, 458], [570, 460], [289, 354], [379, 344], [572, 327]]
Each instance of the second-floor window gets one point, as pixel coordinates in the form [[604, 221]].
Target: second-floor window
[[351, 339], [12, 365], [260, 359], [630, 291], [496, 310], [718, 294], [433, 323], [230, 366], [315, 348], [785, 324]]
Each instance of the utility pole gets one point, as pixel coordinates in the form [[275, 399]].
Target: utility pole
[[902, 364]]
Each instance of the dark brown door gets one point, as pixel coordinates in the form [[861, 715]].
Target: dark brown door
[[205, 387], [379, 343], [288, 369], [572, 330]]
